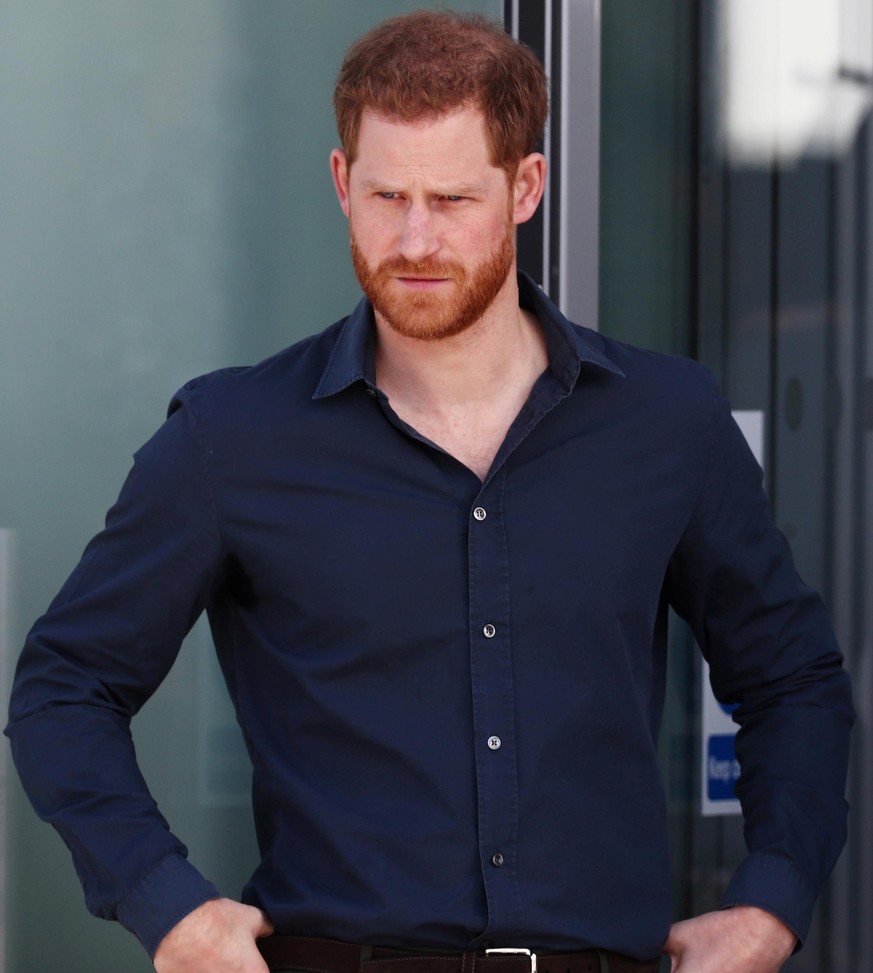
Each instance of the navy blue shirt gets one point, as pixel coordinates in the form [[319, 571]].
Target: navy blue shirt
[[450, 689]]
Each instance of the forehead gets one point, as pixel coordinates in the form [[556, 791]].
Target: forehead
[[457, 142]]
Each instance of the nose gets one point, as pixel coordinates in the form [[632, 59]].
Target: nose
[[418, 235]]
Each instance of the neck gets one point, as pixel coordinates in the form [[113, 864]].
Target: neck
[[500, 353]]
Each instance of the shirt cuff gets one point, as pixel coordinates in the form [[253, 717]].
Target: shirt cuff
[[161, 899], [775, 885]]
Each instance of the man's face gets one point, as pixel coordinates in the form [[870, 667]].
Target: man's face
[[431, 222]]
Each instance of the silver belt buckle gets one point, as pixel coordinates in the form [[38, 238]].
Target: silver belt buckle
[[520, 952]]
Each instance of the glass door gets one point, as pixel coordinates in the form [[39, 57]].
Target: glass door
[[736, 223]]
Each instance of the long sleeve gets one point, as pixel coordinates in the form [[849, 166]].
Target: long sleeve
[[103, 647], [770, 647]]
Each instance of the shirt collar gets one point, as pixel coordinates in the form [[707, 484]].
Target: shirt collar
[[569, 347]]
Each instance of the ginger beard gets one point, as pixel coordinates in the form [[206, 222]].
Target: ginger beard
[[430, 316]]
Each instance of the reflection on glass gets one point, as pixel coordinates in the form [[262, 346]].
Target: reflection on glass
[[797, 76]]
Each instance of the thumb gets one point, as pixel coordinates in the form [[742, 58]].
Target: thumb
[[674, 947], [261, 925]]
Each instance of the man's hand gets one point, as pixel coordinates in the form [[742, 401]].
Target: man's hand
[[739, 940], [217, 937]]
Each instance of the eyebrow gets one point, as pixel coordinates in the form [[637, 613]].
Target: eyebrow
[[448, 189]]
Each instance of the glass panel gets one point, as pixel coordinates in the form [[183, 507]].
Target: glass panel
[[736, 224], [647, 100], [166, 210], [646, 288]]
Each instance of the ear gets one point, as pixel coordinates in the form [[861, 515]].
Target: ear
[[529, 185], [339, 169]]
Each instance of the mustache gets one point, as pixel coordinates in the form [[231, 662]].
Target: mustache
[[428, 267]]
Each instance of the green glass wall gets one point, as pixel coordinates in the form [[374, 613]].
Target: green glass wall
[[165, 209]]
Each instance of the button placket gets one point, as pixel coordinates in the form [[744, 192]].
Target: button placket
[[493, 701]]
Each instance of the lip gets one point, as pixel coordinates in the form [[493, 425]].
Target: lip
[[427, 283]]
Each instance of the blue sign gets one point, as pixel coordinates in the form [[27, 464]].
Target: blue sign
[[722, 768]]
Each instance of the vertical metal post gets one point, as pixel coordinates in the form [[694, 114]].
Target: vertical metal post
[[561, 248], [579, 168], [552, 196]]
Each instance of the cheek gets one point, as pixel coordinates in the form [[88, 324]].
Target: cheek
[[487, 235], [372, 234]]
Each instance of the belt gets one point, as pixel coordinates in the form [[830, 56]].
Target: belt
[[332, 956]]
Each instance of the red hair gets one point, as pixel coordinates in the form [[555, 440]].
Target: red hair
[[431, 63]]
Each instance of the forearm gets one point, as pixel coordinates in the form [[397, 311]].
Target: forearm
[[793, 757], [78, 766]]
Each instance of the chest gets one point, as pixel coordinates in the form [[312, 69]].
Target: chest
[[374, 525], [473, 433], [471, 439]]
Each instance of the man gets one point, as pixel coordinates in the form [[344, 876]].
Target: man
[[437, 543]]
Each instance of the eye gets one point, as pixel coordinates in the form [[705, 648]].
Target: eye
[[387, 195], [453, 199]]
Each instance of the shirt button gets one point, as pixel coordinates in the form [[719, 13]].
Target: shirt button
[[497, 859], [495, 743], [489, 631], [480, 513]]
